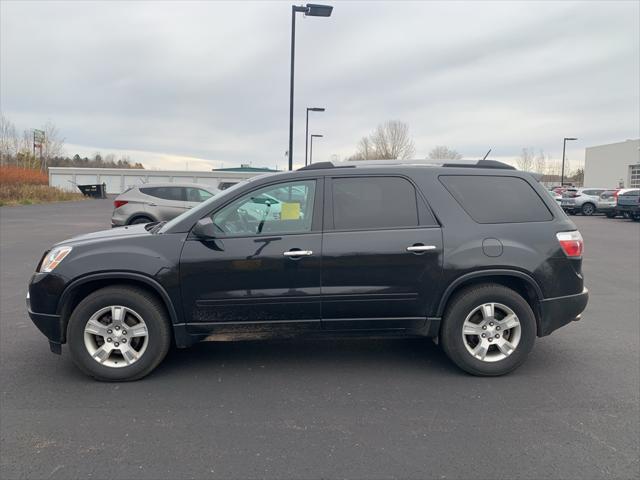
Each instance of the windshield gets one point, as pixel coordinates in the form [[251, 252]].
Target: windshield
[[202, 207]]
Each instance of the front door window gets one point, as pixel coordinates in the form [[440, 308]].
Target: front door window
[[276, 209]]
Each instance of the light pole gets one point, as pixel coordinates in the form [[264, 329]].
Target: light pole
[[306, 132], [309, 10], [311, 149], [564, 147]]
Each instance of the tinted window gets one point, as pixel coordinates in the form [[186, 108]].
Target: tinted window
[[197, 195], [373, 202], [166, 193], [225, 185], [261, 212], [495, 199]]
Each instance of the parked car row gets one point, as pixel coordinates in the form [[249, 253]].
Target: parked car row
[[589, 201]]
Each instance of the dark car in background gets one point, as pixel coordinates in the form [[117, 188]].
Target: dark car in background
[[356, 248], [154, 202], [629, 204]]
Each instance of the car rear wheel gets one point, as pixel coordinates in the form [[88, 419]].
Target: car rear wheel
[[610, 215], [588, 209], [488, 330], [139, 220], [118, 334]]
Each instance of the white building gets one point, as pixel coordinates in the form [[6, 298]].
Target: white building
[[613, 165], [119, 179]]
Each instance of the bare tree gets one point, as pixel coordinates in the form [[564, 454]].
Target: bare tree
[[52, 146], [389, 141], [540, 163], [442, 152], [525, 160], [8, 140]]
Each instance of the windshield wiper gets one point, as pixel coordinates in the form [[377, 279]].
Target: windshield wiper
[[157, 227]]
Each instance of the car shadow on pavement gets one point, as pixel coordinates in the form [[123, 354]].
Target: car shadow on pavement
[[407, 355]]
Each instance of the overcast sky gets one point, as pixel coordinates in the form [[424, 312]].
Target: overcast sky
[[174, 82]]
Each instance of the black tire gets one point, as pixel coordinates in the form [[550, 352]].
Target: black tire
[[588, 209], [462, 304], [139, 220], [610, 215], [142, 302]]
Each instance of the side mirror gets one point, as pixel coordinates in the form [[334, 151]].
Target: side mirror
[[204, 228]]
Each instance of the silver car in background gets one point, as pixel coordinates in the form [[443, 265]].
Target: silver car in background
[[156, 202], [581, 200]]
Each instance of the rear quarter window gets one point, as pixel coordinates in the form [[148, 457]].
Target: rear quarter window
[[497, 199], [166, 193]]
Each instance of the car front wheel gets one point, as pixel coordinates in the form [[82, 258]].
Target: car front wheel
[[118, 334], [488, 330]]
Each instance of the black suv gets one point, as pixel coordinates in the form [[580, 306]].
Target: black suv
[[475, 255]]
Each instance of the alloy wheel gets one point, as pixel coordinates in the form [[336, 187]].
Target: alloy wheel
[[491, 332], [116, 336]]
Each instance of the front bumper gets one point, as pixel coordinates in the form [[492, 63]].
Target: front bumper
[[559, 311]]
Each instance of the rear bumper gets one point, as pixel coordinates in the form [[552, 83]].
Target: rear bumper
[[559, 311], [628, 208], [606, 208]]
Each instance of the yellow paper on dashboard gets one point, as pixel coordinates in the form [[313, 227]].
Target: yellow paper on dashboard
[[290, 211]]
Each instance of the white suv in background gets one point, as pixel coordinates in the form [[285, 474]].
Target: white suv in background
[[156, 202], [581, 200]]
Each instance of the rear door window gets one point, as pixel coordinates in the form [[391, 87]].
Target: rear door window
[[497, 199], [369, 203], [165, 193]]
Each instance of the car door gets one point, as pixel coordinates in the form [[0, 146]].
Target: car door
[[164, 202], [382, 254], [264, 266]]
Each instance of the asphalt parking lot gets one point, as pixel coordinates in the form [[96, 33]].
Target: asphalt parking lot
[[326, 408]]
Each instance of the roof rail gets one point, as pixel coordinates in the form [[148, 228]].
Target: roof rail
[[323, 165], [434, 163], [481, 164]]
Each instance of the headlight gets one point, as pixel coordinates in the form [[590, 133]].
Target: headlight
[[53, 258]]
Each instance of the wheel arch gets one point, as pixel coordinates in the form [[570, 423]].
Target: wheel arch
[[80, 288], [140, 215], [522, 283]]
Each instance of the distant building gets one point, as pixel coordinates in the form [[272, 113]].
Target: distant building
[[245, 169], [118, 180], [613, 165]]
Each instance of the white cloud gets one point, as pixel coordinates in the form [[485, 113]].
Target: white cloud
[[208, 81]]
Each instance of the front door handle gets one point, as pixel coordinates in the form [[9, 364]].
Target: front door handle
[[298, 253], [152, 204], [420, 248]]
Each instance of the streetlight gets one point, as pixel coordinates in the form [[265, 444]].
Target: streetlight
[[309, 10], [306, 132], [311, 150], [564, 147]]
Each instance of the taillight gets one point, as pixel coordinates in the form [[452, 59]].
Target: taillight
[[119, 203], [571, 243]]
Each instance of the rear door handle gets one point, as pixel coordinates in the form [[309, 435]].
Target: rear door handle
[[152, 204], [298, 253], [420, 248]]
